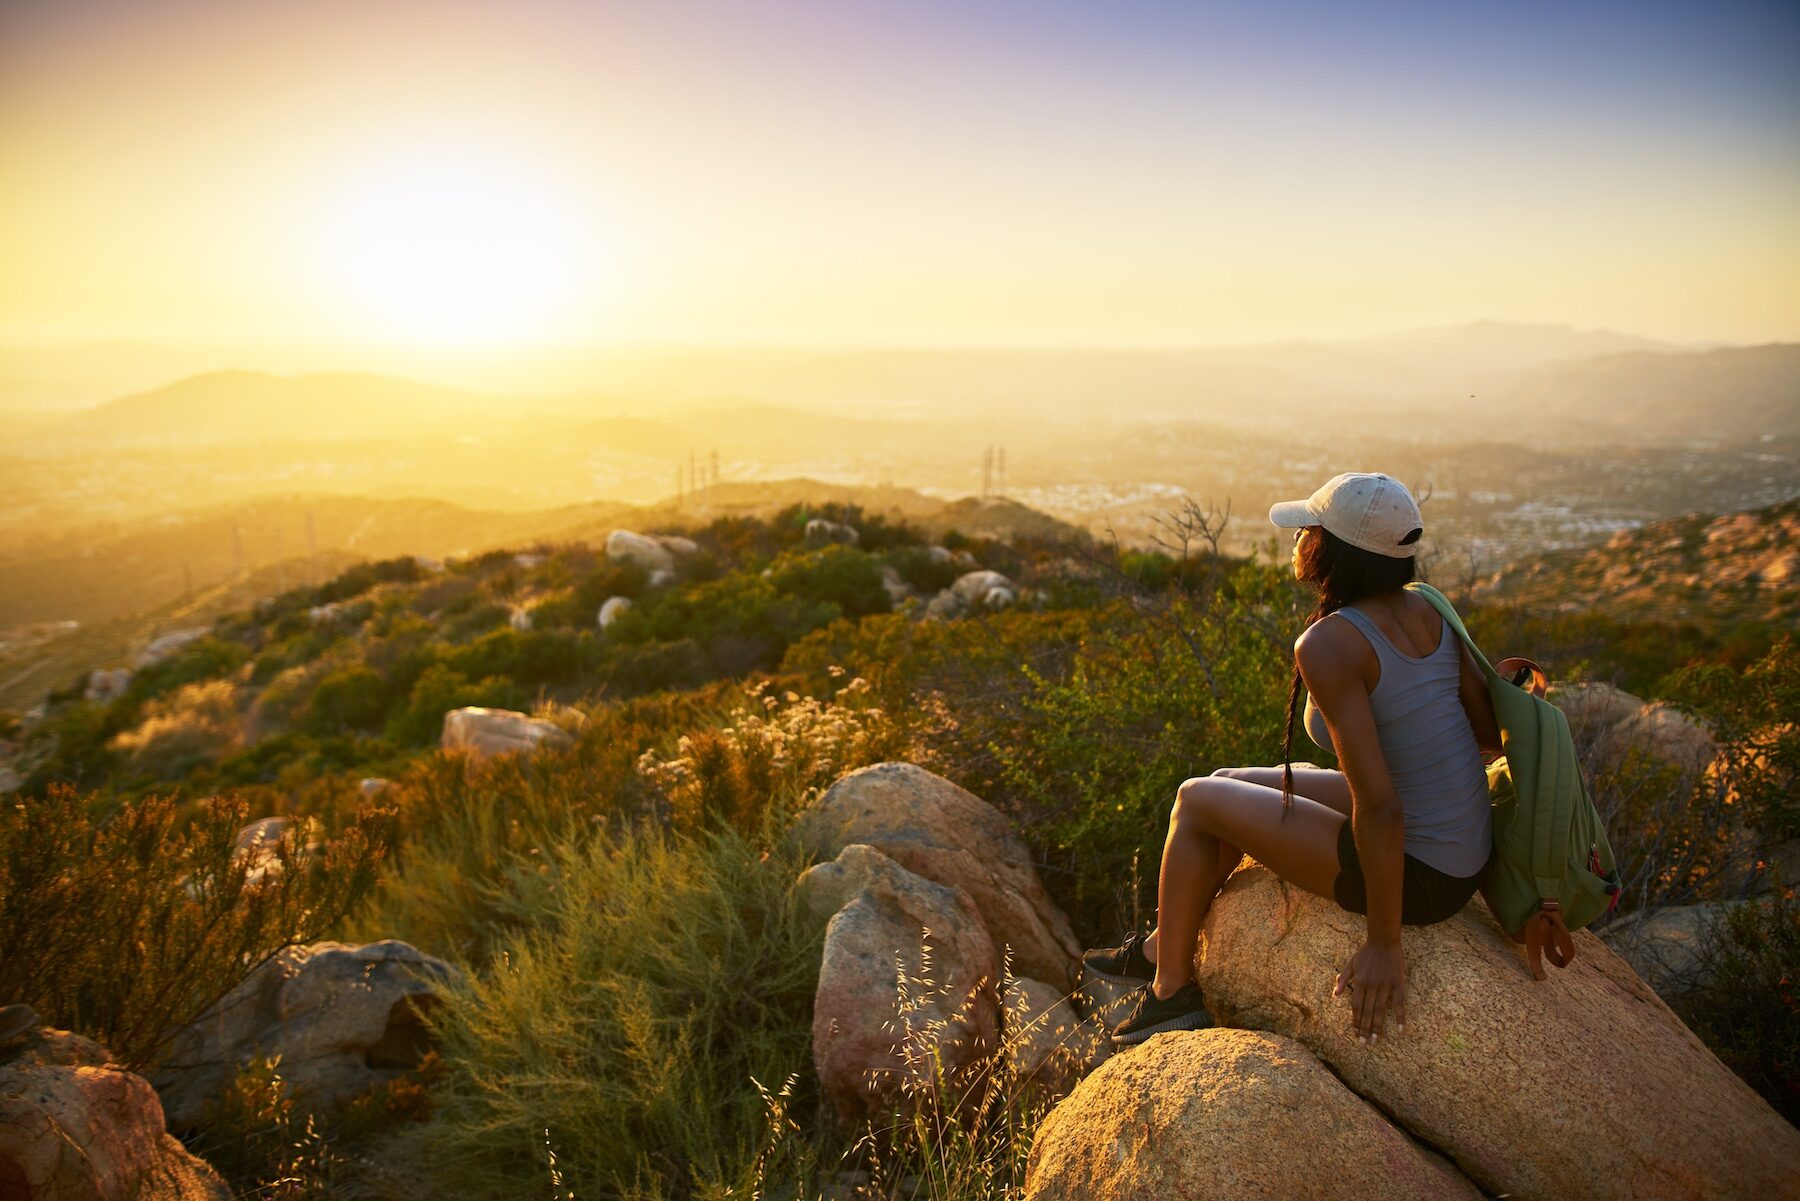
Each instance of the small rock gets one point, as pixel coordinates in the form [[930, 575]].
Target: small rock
[[484, 732]]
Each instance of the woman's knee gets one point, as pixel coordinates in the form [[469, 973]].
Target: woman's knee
[[1193, 798]]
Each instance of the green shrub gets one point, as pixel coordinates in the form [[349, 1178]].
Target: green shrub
[[478, 618], [203, 659], [297, 650], [916, 566], [355, 581], [1756, 710], [440, 689], [467, 827], [1173, 690], [1748, 1007], [351, 698], [527, 657], [837, 575], [125, 928], [742, 622], [629, 670], [622, 1031]]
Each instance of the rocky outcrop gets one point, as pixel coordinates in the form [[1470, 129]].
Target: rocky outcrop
[[820, 532], [652, 552], [886, 1007], [1226, 1114], [107, 684], [1581, 1085], [895, 585], [942, 832], [76, 1127], [973, 592], [342, 1018], [483, 732], [167, 645]]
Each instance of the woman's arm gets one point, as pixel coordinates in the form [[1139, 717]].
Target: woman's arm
[[1332, 658], [1472, 688]]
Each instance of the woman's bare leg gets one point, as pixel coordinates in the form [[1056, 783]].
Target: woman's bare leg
[[1328, 787], [1299, 844]]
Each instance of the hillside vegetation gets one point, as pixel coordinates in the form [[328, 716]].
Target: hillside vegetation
[[639, 974]]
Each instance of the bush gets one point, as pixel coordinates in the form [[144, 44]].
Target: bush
[[1748, 1007], [351, 698], [440, 689], [355, 581], [742, 622], [125, 929], [837, 575], [617, 1044], [195, 726], [204, 659], [527, 657], [1757, 714], [916, 566]]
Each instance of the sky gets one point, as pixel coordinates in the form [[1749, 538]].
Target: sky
[[442, 174]]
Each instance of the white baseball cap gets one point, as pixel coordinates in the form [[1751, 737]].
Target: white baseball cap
[[1365, 508]]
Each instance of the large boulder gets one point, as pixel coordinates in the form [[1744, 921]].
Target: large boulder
[[1044, 1043], [484, 732], [930, 826], [74, 1126], [1228, 1114], [342, 1018], [1609, 723], [908, 976], [652, 552], [1581, 1085]]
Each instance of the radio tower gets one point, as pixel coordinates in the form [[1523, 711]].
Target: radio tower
[[1000, 471]]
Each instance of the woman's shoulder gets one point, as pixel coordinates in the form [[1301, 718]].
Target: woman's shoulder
[[1328, 645]]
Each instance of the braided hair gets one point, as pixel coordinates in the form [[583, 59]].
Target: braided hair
[[1343, 574]]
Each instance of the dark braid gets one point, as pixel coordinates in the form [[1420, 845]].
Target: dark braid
[[1342, 574]]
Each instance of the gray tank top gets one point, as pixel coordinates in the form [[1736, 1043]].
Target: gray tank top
[[1430, 749]]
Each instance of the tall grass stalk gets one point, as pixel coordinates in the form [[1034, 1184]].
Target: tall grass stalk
[[663, 975]]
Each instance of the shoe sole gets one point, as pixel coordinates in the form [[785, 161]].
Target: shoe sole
[[1186, 1021]]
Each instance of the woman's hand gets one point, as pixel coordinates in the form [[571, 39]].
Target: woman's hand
[[1375, 979]]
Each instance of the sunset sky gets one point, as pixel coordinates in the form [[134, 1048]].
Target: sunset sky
[[441, 173]]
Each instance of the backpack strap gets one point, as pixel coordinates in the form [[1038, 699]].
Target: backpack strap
[[1447, 611], [1546, 937]]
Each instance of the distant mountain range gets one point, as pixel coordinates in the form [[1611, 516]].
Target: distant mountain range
[[1596, 384]]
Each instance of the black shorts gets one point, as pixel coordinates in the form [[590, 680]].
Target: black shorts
[[1426, 894]]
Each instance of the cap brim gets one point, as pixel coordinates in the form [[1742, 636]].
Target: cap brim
[[1292, 514]]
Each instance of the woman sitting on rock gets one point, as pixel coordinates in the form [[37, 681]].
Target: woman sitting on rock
[[1401, 834]]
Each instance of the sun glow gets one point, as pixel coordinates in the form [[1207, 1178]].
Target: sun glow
[[456, 249]]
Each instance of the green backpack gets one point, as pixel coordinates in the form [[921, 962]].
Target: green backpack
[[1552, 871]]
